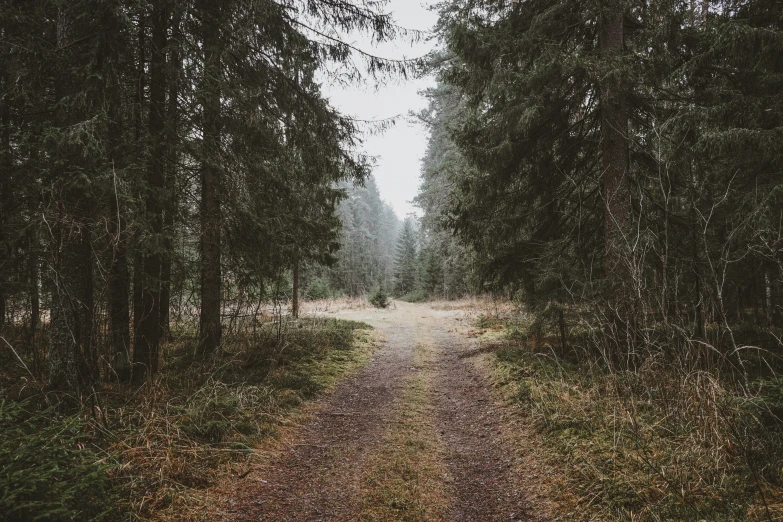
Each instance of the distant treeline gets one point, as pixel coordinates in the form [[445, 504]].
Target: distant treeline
[[413, 259]]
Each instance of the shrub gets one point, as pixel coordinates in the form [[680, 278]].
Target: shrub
[[319, 289], [416, 296], [49, 471], [612, 435], [378, 298]]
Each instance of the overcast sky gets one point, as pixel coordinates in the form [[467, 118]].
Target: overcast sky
[[398, 151]]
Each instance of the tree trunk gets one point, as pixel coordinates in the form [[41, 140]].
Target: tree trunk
[[119, 275], [209, 325], [147, 341], [5, 191], [137, 290], [119, 285], [562, 327], [138, 117], [172, 161], [72, 361], [295, 296], [614, 149], [769, 295], [34, 278], [699, 302]]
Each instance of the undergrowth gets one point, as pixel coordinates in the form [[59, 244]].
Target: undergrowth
[[415, 296], [663, 441], [51, 468], [378, 298], [146, 453]]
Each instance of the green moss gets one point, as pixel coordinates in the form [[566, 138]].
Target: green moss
[[49, 468]]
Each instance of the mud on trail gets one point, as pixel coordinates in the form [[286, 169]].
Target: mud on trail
[[415, 435]]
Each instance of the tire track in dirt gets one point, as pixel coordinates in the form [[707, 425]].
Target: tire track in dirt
[[322, 474], [317, 477], [481, 466]]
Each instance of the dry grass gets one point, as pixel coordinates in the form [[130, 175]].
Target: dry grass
[[656, 443], [474, 306], [403, 481], [201, 422], [334, 305]]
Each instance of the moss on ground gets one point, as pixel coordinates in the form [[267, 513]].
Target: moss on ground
[[158, 447]]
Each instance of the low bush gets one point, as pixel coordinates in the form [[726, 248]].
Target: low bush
[[416, 296], [50, 469], [319, 289], [378, 298]]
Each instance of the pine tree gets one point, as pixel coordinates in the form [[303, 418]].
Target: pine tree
[[369, 228], [149, 330], [106, 110], [72, 306], [443, 165], [212, 17], [406, 262], [608, 148]]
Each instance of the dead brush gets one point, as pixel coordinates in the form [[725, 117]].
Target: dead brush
[[332, 305], [667, 438], [200, 421]]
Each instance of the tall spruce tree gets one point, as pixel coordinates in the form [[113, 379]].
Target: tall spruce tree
[[109, 109], [406, 263], [609, 148], [447, 272], [367, 242]]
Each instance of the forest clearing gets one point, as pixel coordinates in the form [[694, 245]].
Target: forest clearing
[[404, 260]]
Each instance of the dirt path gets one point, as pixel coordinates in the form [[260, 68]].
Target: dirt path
[[415, 435]]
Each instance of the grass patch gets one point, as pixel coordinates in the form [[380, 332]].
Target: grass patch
[[160, 447], [656, 443], [403, 482]]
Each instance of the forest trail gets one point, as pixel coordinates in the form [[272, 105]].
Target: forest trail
[[415, 435]]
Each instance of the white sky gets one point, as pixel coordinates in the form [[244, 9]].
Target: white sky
[[398, 151]]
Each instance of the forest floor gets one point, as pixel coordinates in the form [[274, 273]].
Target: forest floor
[[417, 434]]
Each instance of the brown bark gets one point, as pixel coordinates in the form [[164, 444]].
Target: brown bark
[[209, 325], [138, 113], [614, 149], [147, 340], [295, 296], [5, 190], [119, 274], [769, 294], [72, 359], [119, 286], [34, 278], [137, 294], [172, 161]]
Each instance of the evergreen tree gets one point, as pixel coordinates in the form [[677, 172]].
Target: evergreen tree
[[607, 148], [365, 258], [124, 124], [447, 273], [407, 259]]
